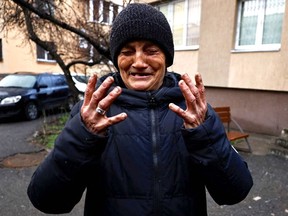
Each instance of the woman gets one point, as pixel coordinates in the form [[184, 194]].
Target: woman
[[145, 142]]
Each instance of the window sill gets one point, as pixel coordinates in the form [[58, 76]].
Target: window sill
[[268, 48], [46, 61], [187, 48]]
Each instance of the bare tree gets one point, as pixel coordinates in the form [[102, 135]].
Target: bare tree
[[70, 30]]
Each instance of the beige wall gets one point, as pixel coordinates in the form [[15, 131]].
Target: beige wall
[[185, 62], [257, 111], [216, 40], [21, 57], [262, 70]]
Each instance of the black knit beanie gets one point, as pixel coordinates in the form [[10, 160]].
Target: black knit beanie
[[144, 22]]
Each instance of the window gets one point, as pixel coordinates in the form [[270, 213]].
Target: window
[[1, 52], [103, 11], [46, 6], [43, 55], [58, 80], [19, 81], [260, 24], [184, 19], [45, 80]]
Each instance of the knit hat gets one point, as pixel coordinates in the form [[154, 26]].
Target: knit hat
[[144, 22]]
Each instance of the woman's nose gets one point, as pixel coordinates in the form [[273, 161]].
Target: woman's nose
[[140, 60]]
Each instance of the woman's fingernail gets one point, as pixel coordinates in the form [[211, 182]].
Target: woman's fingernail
[[117, 89]]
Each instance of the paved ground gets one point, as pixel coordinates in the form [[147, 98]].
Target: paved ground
[[268, 197]]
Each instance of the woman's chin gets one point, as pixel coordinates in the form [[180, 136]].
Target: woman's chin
[[139, 86]]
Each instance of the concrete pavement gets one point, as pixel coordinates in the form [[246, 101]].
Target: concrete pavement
[[268, 197]]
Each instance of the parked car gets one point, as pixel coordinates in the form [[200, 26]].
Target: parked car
[[80, 82], [27, 94], [2, 75]]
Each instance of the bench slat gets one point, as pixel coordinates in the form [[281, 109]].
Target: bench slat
[[225, 116]]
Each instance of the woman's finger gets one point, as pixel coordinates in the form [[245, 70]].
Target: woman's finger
[[90, 89], [100, 93], [190, 98], [106, 122], [201, 88], [106, 102], [190, 120]]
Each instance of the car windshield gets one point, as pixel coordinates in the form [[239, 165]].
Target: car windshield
[[18, 81], [82, 79]]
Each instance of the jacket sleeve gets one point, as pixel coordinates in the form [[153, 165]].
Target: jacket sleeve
[[223, 170], [58, 183]]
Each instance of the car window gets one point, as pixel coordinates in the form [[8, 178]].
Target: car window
[[45, 80], [59, 80], [81, 78], [18, 81]]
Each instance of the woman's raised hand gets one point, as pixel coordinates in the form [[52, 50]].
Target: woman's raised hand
[[96, 102], [196, 105]]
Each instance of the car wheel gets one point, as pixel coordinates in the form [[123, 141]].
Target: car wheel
[[31, 111]]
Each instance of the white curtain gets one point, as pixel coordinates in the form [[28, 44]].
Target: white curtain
[[261, 22]]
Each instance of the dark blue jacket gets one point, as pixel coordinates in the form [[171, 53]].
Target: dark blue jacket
[[146, 165]]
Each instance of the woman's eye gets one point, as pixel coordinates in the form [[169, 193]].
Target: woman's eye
[[152, 51], [127, 52]]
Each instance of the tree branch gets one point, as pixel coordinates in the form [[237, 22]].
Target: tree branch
[[102, 51]]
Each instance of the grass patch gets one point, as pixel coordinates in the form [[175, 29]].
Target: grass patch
[[51, 130]]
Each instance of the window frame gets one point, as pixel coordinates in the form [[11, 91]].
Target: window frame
[[102, 15], [46, 6], [47, 56], [170, 18], [1, 50], [258, 46]]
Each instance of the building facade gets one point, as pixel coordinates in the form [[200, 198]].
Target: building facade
[[240, 47], [242, 54]]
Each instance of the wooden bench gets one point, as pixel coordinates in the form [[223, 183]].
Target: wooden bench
[[233, 135]]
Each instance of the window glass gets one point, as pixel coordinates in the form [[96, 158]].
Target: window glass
[[178, 17], [58, 80], [18, 81], [249, 19], [193, 25], [102, 11], [106, 11], [43, 55], [273, 20], [260, 23], [1, 52], [46, 6], [184, 19], [95, 4], [45, 80]]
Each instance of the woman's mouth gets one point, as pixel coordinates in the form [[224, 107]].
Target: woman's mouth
[[139, 74]]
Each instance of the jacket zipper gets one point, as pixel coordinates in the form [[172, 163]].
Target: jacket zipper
[[155, 148]]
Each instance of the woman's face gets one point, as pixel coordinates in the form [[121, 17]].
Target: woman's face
[[142, 65]]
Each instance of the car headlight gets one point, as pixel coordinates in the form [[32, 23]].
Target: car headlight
[[11, 100]]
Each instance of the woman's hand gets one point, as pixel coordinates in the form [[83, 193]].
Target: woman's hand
[[97, 102], [196, 104]]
